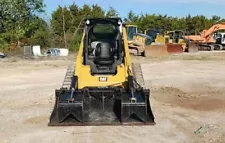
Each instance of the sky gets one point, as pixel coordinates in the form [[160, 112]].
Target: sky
[[176, 8]]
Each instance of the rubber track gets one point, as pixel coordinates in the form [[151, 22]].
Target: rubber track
[[138, 75], [68, 77]]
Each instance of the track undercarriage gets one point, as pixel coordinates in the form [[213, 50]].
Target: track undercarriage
[[211, 47]]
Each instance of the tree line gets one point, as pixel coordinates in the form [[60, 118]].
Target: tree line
[[189, 24], [20, 24]]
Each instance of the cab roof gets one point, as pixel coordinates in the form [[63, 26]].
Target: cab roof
[[101, 20]]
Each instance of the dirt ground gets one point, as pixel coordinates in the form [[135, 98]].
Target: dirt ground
[[187, 99]]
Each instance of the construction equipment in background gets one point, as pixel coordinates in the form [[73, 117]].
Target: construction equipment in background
[[220, 39], [175, 40], [172, 40], [143, 45], [103, 87], [156, 42], [131, 31], [211, 39], [178, 37]]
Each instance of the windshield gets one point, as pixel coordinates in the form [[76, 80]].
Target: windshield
[[130, 32], [179, 34], [152, 34], [104, 29]]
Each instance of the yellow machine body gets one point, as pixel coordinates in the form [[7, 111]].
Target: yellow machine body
[[87, 80], [176, 37], [103, 87], [131, 30]]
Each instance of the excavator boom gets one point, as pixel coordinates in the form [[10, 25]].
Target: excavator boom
[[212, 30]]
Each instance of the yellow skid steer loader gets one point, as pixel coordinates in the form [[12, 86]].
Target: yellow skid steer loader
[[103, 87]]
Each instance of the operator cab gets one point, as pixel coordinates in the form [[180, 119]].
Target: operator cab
[[103, 46], [220, 38]]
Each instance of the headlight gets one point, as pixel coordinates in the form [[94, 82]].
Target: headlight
[[119, 22], [88, 22]]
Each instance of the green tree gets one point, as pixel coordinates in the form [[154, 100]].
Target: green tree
[[85, 11], [131, 17], [17, 18], [111, 12], [39, 33], [75, 15], [57, 20], [215, 19], [97, 11], [20, 14]]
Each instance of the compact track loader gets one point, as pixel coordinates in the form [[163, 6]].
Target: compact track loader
[[103, 87]]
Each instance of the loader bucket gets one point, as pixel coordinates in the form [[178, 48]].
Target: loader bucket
[[159, 50], [174, 48], [95, 106]]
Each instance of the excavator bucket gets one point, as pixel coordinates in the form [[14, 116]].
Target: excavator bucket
[[157, 50], [174, 48]]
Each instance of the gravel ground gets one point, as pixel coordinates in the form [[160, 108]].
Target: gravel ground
[[187, 99]]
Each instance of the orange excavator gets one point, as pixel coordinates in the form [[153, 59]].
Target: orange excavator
[[210, 39]]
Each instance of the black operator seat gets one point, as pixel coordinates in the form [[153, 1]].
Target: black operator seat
[[104, 54]]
